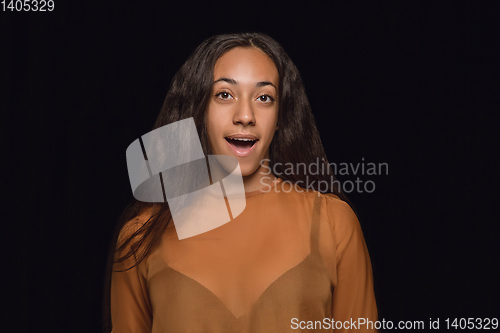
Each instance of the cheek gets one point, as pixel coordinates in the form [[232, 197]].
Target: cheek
[[214, 129], [210, 121], [271, 124]]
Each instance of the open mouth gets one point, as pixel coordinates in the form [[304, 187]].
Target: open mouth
[[241, 146], [241, 143]]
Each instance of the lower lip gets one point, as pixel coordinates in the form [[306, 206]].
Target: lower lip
[[241, 152]]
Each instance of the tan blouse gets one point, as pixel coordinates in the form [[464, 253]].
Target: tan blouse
[[293, 261]]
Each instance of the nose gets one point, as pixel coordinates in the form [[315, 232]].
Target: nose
[[244, 113]]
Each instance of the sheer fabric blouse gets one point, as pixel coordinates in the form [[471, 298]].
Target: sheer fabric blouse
[[292, 261]]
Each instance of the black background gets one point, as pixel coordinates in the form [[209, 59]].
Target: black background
[[410, 84]]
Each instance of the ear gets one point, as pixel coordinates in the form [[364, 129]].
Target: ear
[[277, 128]]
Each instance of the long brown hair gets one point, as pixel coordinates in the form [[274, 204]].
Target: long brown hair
[[297, 141]]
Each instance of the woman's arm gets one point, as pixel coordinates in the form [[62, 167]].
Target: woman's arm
[[130, 305], [353, 296]]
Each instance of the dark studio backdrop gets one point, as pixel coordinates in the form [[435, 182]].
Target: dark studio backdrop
[[410, 84]]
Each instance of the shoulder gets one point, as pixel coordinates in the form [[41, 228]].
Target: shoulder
[[335, 208], [338, 210], [130, 228], [129, 244], [340, 217], [345, 227]]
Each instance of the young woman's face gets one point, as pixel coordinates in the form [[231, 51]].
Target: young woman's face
[[242, 112]]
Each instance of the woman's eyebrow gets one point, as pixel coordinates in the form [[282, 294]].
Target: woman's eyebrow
[[225, 79], [265, 83], [258, 84]]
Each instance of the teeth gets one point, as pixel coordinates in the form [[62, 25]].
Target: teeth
[[240, 139]]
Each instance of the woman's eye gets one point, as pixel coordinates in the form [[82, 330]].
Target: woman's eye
[[265, 98], [223, 95]]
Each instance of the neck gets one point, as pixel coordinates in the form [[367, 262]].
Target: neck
[[259, 179]]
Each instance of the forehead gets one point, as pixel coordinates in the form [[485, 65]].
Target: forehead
[[246, 64]]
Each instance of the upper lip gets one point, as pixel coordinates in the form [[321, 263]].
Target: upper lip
[[242, 136]]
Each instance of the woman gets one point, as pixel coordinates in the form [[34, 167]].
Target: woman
[[294, 259]]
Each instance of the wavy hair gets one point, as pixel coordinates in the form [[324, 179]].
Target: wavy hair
[[296, 141]]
